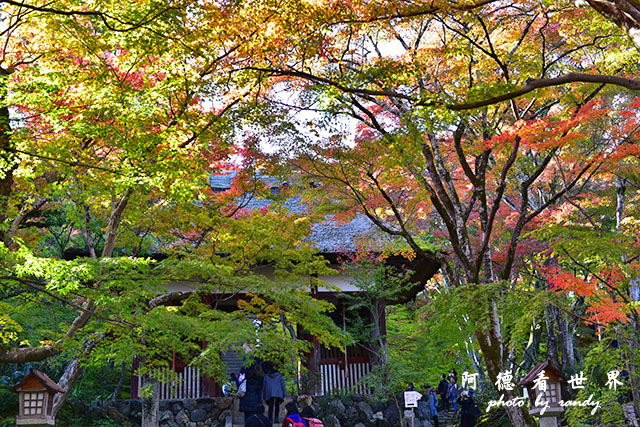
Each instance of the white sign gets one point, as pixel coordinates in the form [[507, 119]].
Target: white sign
[[411, 399]]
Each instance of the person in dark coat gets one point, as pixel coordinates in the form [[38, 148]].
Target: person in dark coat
[[443, 386], [273, 391], [253, 396], [258, 419], [467, 410]]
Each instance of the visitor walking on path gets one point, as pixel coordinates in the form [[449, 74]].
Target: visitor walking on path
[[253, 391], [433, 404], [452, 393], [468, 410], [443, 386], [293, 418], [273, 391]]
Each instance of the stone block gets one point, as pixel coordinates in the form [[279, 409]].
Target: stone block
[[338, 407], [365, 410], [198, 415], [182, 418], [331, 421], [378, 406], [166, 415], [190, 404], [391, 415]]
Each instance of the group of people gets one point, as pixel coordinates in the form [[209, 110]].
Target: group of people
[[429, 396], [452, 396], [261, 381]]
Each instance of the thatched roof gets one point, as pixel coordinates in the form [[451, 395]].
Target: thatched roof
[[328, 236], [332, 238]]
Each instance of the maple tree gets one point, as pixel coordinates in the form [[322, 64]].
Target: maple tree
[[472, 128], [112, 122]]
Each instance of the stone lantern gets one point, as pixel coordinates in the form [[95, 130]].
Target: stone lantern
[[543, 385], [36, 392]]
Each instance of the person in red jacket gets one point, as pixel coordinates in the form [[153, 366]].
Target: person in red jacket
[[293, 418]]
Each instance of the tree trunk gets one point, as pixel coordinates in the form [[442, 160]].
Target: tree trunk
[[624, 13], [74, 369], [634, 294], [151, 404], [566, 336], [552, 336], [72, 372], [67, 381], [123, 371], [491, 345], [379, 332], [7, 158]]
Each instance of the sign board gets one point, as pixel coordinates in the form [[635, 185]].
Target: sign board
[[411, 399]]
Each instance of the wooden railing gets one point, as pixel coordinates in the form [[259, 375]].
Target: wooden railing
[[335, 376], [180, 385]]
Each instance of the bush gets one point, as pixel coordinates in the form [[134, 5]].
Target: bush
[[7, 422], [8, 402]]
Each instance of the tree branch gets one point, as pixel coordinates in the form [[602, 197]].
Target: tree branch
[[533, 84]]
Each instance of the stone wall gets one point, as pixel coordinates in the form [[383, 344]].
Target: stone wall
[[203, 412], [347, 411], [364, 411]]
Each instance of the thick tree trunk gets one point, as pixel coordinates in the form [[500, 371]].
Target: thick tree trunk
[[151, 404], [72, 373], [519, 416], [491, 344], [67, 381]]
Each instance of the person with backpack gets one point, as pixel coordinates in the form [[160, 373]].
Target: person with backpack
[[309, 416], [443, 386], [468, 410], [273, 391], [293, 418], [452, 393], [258, 419]]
